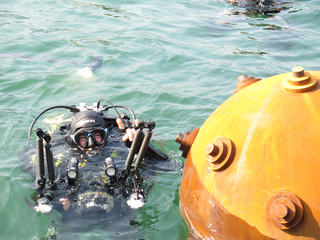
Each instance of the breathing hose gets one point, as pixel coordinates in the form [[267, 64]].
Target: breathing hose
[[46, 110], [115, 108]]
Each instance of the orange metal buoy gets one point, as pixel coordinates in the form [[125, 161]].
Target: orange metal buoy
[[251, 170]]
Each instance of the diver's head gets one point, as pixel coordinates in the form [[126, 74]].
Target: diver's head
[[88, 129]]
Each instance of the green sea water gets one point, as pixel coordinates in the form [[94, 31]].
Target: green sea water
[[172, 61]]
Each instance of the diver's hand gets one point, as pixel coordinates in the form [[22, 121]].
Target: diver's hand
[[130, 132], [65, 203]]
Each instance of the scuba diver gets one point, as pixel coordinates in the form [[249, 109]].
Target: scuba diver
[[252, 7], [99, 165]]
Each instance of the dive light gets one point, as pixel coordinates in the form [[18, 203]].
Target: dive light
[[73, 169], [110, 167]]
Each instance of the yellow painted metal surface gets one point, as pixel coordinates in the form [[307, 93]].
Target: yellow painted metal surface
[[276, 137]]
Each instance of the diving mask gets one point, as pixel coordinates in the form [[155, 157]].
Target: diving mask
[[87, 138]]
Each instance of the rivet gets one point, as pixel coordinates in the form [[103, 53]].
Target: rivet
[[219, 153], [186, 141], [180, 137], [242, 77], [212, 149], [282, 203], [245, 81], [298, 72], [284, 210], [299, 81]]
